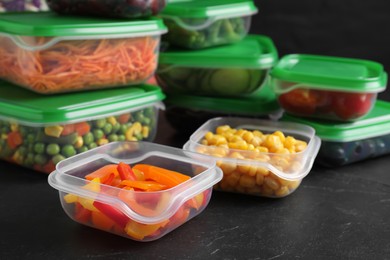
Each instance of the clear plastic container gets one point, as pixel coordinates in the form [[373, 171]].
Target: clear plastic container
[[207, 23], [111, 8], [49, 54], [38, 131], [187, 113], [327, 87], [346, 143], [138, 215], [253, 170], [226, 71]]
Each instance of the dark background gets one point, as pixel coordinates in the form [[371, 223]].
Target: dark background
[[345, 28]]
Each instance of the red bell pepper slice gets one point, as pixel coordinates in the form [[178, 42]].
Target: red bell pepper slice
[[125, 172], [114, 214]]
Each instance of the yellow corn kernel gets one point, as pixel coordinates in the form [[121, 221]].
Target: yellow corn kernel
[[204, 142], [295, 166], [201, 149], [14, 127], [294, 184], [259, 179], [247, 181], [271, 182], [282, 191], [217, 140], [258, 133], [281, 136], [55, 130], [256, 141], [267, 191], [252, 170], [112, 120], [145, 131], [241, 145], [283, 151], [137, 128], [79, 142], [262, 171], [102, 141], [281, 162], [243, 168], [208, 136], [233, 178], [251, 147], [227, 167], [234, 138], [300, 145], [262, 149], [222, 129], [241, 132], [273, 143], [248, 136], [289, 142]]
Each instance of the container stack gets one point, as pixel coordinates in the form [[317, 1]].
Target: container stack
[[212, 63], [74, 81]]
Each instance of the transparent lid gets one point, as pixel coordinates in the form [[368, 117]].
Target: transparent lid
[[375, 123], [70, 173], [333, 73], [53, 25], [209, 8], [23, 105], [254, 51]]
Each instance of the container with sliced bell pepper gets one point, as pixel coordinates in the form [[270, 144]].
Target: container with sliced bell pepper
[[326, 87], [137, 190], [39, 131]]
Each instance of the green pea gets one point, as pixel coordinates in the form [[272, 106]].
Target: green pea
[[88, 138], [100, 123], [123, 129], [116, 127], [113, 138], [39, 148], [149, 112], [22, 150], [53, 149], [68, 150], [139, 116], [92, 145], [146, 121], [30, 138], [82, 149], [57, 158], [107, 128], [29, 160], [139, 136], [40, 159], [23, 130], [121, 137], [97, 133]]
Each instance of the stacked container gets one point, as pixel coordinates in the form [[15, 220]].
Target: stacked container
[[338, 97]]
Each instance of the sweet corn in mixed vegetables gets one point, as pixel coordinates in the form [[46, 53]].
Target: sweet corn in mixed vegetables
[[283, 152]]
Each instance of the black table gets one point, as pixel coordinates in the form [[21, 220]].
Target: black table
[[335, 214]]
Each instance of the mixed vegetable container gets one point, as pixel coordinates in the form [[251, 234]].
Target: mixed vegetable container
[[207, 23], [138, 190], [49, 54], [38, 131], [232, 70]]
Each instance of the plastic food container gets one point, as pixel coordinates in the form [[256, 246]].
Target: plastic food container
[[231, 70], [38, 131], [248, 168], [110, 8], [205, 23], [48, 53], [327, 87], [187, 113], [138, 215], [347, 143]]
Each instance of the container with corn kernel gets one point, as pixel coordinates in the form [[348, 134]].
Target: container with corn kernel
[[38, 131], [257, 157]]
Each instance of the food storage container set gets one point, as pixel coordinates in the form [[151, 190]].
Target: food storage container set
[[74, 103]]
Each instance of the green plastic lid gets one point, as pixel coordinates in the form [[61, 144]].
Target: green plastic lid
[[209, 8], [254, 51], [261, 102], [333, 73], [376, 123], [51, 25], [31, 108]]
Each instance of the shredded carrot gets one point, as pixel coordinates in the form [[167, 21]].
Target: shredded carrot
[[79, 64]]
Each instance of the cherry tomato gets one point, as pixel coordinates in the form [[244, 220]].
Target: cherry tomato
[[299, 101], [349, 106]]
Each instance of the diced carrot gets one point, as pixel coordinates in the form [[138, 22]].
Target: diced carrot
[[82, 128], [68, 129], [124, 118], [14, 139]]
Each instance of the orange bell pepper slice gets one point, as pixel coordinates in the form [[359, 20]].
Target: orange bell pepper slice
[[161, 175], [125, 172], [144, 185], [101, 221], [104, 173]]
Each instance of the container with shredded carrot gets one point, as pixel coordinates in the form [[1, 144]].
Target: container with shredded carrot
[[50, 54]]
